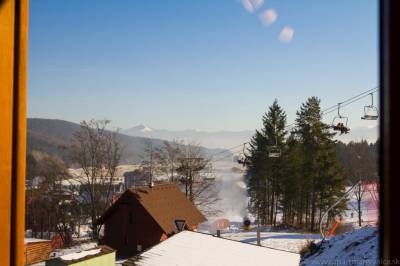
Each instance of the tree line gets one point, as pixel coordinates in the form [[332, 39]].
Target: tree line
[[311, 173]]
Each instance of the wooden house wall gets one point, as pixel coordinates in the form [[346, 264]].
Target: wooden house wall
[[129, 226], [37, 251]]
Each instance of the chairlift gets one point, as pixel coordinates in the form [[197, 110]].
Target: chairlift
[[274, 151], [339, 122], [370, 111], [243, 158]]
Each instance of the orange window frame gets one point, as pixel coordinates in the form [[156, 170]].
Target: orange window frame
[[13, 79]]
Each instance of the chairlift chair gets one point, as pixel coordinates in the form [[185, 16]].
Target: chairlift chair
[[243, 161], [339, 122], [370, 111], [243, 158], [274, 152]]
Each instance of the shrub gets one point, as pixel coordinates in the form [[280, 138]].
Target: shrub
[[308, 249]]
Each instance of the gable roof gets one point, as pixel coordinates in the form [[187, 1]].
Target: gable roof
[[192, 248], [165, 203]]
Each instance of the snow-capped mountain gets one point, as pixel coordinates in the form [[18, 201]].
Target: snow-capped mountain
[[140, 129], [218, 139]]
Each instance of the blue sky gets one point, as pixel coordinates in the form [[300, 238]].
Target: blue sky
[[206, 64]]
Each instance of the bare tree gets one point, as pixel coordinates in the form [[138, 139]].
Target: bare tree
[[97, 153], [192, 165], [361, 167], [150, 163], [48, 202], [168, 157]]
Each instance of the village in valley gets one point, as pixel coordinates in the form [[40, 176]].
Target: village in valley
[[202, 133]]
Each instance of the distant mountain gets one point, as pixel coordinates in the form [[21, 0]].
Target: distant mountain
[[53, 136], [227, 139], [218, 139], [140, 129]]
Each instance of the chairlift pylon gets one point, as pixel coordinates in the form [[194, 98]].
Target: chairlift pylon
[[339, 122], [370, 111]]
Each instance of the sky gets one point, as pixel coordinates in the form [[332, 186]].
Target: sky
[[207, 64]]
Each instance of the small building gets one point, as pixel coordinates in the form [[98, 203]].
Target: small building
[[144, 216], [37, 250], [100, 256], [137, 177], [192, 248]]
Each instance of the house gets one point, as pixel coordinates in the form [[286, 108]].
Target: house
[[134, 178], [144, 216], [36, 250], [193, 248], [101, 256]]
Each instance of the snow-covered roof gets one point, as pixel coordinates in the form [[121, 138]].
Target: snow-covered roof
[[120, 170], [74, 249], [79, 255], [35, 240], [191, 248], [359, 247]]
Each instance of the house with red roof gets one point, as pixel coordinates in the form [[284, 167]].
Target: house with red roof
[[144, 216]]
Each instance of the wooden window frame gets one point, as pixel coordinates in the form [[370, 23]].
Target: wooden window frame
[[13, 77], [389, 11]]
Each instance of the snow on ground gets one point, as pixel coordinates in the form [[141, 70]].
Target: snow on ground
[[233, 206], [369, 206], [190, 248], [284, 240], [279, 240], [359, 247], [232, 194]]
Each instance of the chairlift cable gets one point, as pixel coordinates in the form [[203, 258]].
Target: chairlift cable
[[222, 158], [228, 149], [348, 103], [324, 112], [362, 95], [344, 103], [333, 206]]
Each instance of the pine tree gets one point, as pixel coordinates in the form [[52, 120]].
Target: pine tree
[[263, 173], [323, 178], [305, 180]]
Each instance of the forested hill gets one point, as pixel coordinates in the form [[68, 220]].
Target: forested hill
[[53, 136], [359, 160]]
